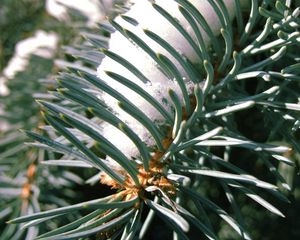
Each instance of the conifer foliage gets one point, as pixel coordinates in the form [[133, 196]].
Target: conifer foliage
[[166, 114]]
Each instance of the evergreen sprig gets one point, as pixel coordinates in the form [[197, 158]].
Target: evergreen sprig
[[255, 69]]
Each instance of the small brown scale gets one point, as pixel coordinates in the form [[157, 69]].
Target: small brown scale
[[26, 190], [153, 177]]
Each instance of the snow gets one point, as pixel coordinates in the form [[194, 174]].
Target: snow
[[92, 9], [42, 44], [148, 18]]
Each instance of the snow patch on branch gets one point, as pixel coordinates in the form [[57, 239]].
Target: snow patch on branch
[[42, 44], [148, 18], [91, 9]]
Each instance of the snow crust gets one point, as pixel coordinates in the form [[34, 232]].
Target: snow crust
[[148, 18]]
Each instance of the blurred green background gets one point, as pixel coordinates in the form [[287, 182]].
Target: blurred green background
[[18, 20]]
